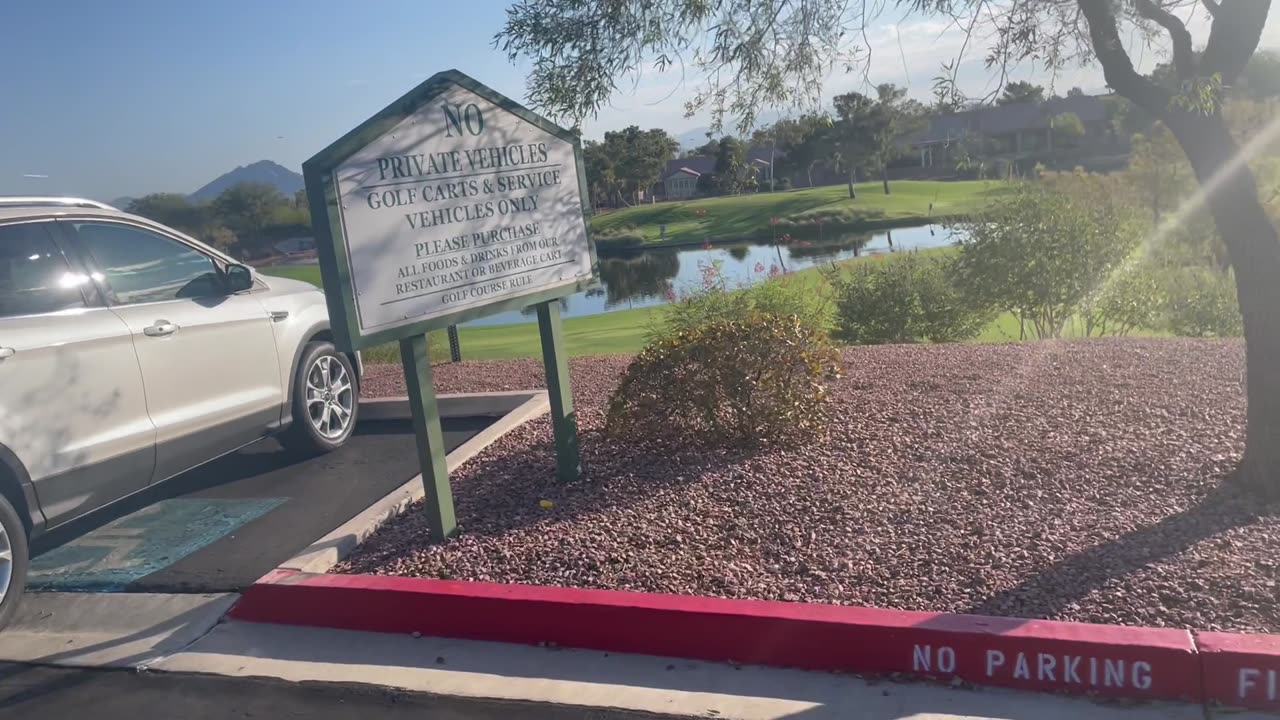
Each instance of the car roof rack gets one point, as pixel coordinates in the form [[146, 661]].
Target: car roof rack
[[7, 201]]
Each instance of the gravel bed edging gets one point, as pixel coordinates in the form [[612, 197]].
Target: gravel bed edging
[[337, 544], [1040, 655], [1081, 481]]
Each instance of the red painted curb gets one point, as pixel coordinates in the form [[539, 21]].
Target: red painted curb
[[1241, 670], [1025, 654]]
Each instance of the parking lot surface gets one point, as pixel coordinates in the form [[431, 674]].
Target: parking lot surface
[[223, 525]]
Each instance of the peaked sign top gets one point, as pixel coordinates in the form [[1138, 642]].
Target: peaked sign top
[[452, 203]]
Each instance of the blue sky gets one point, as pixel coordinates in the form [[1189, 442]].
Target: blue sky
[[135, 96]]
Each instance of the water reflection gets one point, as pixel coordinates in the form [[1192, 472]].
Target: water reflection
[[642, 279]]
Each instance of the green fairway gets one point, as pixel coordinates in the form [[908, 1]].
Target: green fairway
[[605, 334], [749, 216], [623, 331]]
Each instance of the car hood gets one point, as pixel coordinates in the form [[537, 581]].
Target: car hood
[[287, 286]]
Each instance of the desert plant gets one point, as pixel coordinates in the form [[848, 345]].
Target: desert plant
[[760, 378]]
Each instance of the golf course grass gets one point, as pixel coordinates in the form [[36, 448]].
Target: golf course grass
[[751, 216], [622, 331]]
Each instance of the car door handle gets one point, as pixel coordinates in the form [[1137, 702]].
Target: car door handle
[[7, 352], [160, 329]]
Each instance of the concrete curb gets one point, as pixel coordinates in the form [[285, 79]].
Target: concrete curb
[[515, 408], [450, 405], [1075, 658], [1240, 670]]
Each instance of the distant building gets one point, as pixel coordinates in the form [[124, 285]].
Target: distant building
[[680, 177], [682, 183], [1017, 130]]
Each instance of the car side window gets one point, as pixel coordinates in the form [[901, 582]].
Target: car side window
[[142, 266], [34, 276]]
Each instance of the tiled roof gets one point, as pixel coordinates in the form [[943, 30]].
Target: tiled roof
[[701, 165]]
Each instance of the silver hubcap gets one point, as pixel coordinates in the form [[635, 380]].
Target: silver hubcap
[[330, 399], [6, 563]]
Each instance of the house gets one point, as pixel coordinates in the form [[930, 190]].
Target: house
[[680, 177], [1017, 130]]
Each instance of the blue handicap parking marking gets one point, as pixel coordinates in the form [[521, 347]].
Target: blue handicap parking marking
[[141, 543]]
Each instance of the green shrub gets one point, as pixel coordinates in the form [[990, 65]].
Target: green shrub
[[904, 298], [785, 296], [758, 378], [1201, 302], [1131, 299], [1044, 251], [783, 183], [946, 313], [876, 302]]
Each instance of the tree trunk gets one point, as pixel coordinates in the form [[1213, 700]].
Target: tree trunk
[[852, 172], [1254, 247], [809, 171], [884, 178]]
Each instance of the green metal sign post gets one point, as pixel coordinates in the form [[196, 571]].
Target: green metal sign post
[[451, 204], [555, 361], [438, 496]]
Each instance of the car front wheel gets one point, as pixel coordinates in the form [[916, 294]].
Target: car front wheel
[[325, 400], [13, 560]]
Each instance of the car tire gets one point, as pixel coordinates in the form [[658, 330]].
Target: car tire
[[325, 391], [13, 571]]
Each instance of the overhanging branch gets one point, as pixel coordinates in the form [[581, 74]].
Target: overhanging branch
[[1117, 68], [1184, 58], [1237, 28]]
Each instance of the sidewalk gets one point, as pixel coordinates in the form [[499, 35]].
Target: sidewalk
[[184, 635], [610, 681]]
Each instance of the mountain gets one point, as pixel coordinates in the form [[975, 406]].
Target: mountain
[[697, 137], [691, 139], [263, 171]]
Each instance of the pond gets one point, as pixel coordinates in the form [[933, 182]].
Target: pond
[[642, 279]]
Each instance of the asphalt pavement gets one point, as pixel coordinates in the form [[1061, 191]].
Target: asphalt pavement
[[225, 524], [28, 692]]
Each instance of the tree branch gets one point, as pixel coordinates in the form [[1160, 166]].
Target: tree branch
[[1184, 58], [1237, 28], [1117, 68]]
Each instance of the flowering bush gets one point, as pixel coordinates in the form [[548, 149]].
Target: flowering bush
[[752, 379]]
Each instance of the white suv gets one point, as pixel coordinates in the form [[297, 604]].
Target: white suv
[[130, 353]]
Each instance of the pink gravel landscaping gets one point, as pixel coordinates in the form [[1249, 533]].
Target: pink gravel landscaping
[[1066, 480]]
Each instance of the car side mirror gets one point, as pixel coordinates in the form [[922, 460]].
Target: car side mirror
[[239, 278]]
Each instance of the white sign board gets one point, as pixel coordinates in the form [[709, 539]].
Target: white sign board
[[461, 204]]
